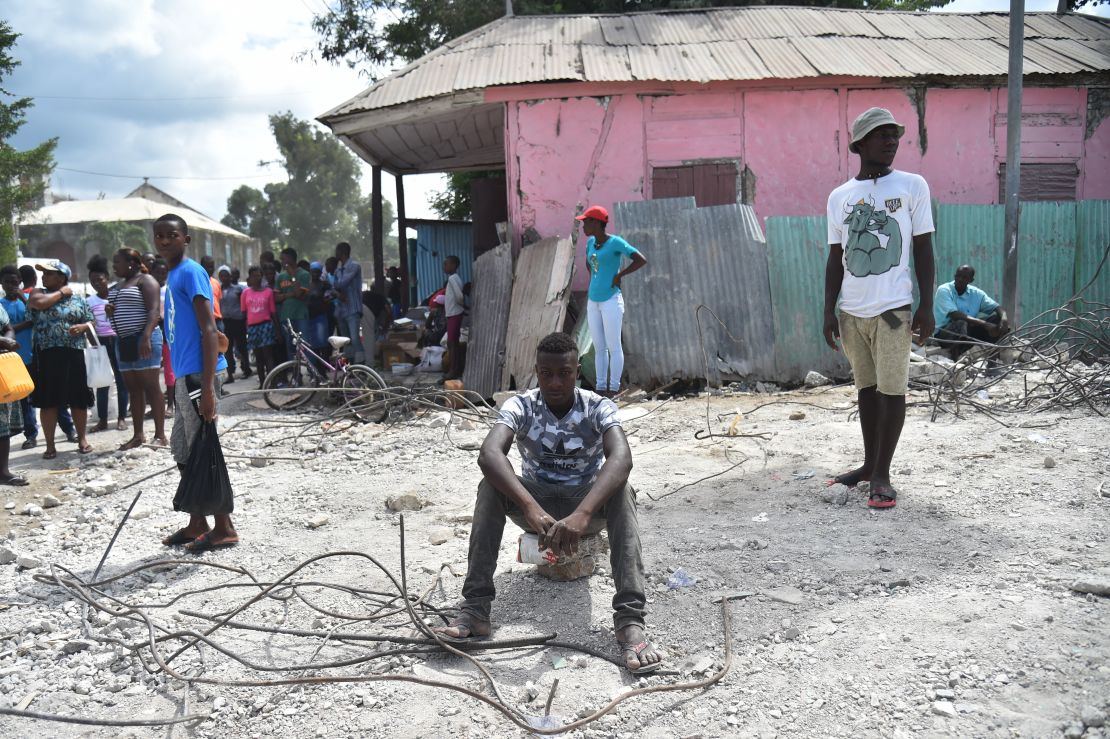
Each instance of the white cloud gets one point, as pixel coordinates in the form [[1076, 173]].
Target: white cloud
[[232, 62]]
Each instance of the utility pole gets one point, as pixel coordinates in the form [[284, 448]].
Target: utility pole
[[509, 7], [1013, 162]]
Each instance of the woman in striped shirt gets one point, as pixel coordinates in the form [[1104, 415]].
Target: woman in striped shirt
[[135, 308]]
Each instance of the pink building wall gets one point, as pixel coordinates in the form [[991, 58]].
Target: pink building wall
[[572, 145]]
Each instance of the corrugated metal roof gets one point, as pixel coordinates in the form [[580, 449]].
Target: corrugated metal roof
[[790, 43], [662, 340]]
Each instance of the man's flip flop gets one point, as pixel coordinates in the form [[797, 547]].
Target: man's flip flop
[[178, 538], [882, 498], [638, 649], [15, 481], [204, 544]]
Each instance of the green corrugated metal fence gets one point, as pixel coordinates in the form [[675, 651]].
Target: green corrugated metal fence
[[1060, 247]]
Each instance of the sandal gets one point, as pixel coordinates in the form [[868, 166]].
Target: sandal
[[882, 497], [178, 538], [50, 454], [204, 543], [638, 649], [87, 449], [15, 481]]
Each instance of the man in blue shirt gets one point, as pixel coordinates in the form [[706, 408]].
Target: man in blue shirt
[[196, 359], [348, 310], [965, 314]]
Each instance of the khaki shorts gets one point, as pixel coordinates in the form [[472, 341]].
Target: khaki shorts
[[878, 349]]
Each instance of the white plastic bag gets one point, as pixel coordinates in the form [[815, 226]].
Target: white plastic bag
[[98, 367], [431, 359]]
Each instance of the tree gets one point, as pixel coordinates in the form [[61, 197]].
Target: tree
[[23, 174], [319, 205], [250, 211], [111, 236]]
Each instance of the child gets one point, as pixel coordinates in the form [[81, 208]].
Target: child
[[191, 335], [160, 272], [258, 306]]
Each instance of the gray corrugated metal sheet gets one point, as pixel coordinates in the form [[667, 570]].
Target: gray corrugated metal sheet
[[797, 249], [677, 46], [434, 242], [489, 319], [713, 256], [1046, 257], [541, 288], [1093, 223]]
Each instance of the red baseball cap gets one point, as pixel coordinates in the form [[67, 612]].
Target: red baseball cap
[[594, 211]]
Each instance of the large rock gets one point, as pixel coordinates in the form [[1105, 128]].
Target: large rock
[[99, 487], [1091, 584], [816, 379], [7, 555], [406, 502]]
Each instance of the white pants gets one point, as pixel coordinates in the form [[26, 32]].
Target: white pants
[[605, 321]]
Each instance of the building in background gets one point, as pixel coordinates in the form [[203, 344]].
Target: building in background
[[63, 230], [748, 105]]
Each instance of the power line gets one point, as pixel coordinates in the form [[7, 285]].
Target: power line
[[161, 177], [160, 99]]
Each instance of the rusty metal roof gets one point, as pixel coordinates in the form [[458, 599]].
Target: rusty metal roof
[[432, 116], [737, 43]]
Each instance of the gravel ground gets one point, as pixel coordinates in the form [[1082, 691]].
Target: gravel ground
[[951, 615]]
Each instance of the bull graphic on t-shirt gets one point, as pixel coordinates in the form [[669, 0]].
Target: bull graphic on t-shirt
[[865, 253]]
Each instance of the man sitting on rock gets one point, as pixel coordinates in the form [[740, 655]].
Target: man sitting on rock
[[575, 462], [965, 314]]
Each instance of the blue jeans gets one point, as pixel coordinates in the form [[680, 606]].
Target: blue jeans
[[349, 327]]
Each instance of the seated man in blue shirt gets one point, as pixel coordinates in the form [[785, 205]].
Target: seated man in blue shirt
[[965, 314]]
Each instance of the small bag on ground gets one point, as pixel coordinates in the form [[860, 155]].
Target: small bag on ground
[[205, 488]]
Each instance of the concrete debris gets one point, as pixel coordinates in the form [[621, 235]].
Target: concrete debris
[[32, 510], [835, 495], [100, 487], [76, 645], [50, 501], [816, 379], [1091, 584], [406, 502], [1092, 716], [789, 595], [26, 562], [1049, 462], [440, 535], [798, 416], [944, 708], [7, 555], [315, 522]]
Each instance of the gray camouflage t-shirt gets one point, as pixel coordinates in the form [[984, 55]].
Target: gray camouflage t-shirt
[[563, 451]]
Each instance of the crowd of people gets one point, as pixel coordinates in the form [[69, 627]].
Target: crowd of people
[[50, 325]]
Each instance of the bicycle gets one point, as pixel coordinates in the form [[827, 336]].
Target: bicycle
[[362, 389]]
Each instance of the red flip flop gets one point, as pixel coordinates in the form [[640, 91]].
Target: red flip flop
[[884, 497]]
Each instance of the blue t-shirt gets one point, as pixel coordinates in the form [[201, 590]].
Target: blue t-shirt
[[185, 282], [973, 302], [17, 313], [604, 263]]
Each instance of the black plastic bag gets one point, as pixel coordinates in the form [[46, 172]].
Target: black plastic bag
[[205, 488]]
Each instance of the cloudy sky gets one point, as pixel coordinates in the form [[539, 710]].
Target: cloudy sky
[[180, 91]]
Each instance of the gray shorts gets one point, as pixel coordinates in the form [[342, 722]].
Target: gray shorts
[[878, 348], [187, 420]]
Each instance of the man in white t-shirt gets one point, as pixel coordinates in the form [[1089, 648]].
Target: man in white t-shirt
[[875, 221]]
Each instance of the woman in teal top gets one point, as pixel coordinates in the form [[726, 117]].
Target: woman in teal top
[[605, 307], [58, 368]]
